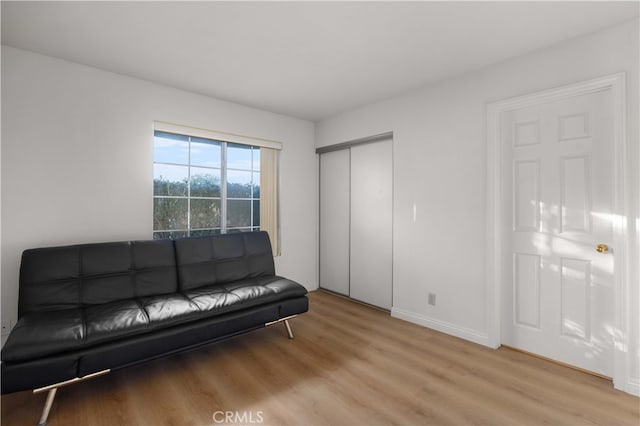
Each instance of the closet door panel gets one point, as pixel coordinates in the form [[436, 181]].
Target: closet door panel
[[371, 223], [334, 221]]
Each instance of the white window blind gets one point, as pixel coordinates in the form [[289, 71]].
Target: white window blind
[[164, 126]]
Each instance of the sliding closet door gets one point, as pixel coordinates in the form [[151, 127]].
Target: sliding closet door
[[334, 221], [371, 223]]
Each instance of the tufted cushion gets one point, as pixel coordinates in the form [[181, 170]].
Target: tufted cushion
[[113, 320], [89, 274], [40, 334], [222, 259]]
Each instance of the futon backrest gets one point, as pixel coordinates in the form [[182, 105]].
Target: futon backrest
[[88, 274], [221, 259]]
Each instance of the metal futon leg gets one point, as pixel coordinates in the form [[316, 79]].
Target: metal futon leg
[[287, 326], [54, 388], [47, 406]]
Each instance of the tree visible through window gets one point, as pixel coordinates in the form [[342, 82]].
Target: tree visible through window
[[204, 186]]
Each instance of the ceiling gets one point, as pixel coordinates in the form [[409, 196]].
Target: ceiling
[[304, 59]]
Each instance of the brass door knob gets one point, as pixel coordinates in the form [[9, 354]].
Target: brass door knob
[[602, 248]]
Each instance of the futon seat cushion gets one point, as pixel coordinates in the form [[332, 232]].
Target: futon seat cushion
[[38, 334]]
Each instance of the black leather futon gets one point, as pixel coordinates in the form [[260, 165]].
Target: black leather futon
[[86, 309]]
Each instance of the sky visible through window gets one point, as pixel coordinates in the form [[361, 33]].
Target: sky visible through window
[[205, 154]]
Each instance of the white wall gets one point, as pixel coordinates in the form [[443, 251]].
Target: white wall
[[439, 166], [77, 159]]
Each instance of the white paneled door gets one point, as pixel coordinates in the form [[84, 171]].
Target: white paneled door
[[559, 292], [334, 220]]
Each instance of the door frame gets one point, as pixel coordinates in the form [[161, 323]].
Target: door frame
[[495, 197]]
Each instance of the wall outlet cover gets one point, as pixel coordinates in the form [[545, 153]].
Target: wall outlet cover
[[432, 299]]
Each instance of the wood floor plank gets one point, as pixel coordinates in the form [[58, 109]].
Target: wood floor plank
[[348, 365]]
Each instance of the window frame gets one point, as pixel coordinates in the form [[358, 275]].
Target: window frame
[[269, 172], [223, 198]]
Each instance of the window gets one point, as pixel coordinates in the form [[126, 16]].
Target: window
[[204, 186], [207, 182]]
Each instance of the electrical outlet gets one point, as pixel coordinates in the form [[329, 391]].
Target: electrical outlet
[[6, 327], [432, 299]]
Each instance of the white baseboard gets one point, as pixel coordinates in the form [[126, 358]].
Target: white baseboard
[[633, 386], [442, 326]]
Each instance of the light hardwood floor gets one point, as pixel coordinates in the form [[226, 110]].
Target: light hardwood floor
[[348, 365]]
